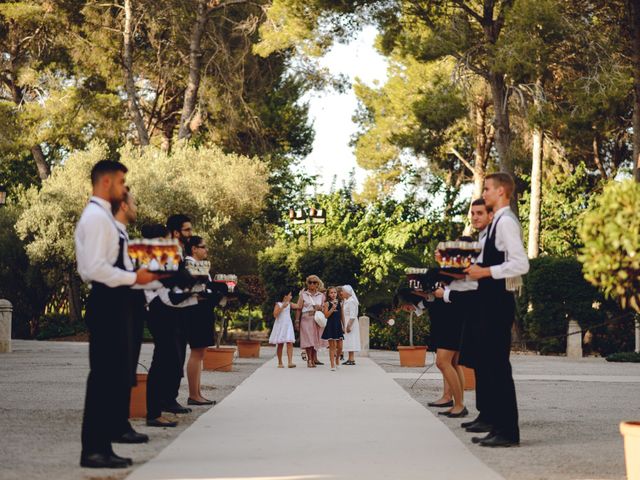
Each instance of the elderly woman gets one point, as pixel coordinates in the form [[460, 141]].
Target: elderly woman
[[311, 299], [350, 304]]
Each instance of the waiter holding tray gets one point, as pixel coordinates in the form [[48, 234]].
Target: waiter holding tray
[[100, 253]]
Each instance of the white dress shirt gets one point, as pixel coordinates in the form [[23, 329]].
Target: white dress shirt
[[466, 284], [97, 241], [508, 238]]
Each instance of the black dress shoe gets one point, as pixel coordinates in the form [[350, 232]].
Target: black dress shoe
[[462, 413], [468, 424], [176, 408], [482, 439], [131, 437], [445, 413], [319, 363], [118, 457], [441, 405], [499, 441], [104, 460], [191, 401], [479, 427], [157, 423]]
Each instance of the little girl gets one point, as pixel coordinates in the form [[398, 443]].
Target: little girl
[[334, 330], [283, 328]]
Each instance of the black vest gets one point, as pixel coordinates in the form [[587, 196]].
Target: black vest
[[492, 256]]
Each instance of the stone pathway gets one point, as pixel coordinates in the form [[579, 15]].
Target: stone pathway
[[356, 423]]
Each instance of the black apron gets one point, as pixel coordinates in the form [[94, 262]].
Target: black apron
[[494, 367], [108, 318]]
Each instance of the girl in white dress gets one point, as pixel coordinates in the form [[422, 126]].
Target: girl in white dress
[[350, 304], [283, 329]]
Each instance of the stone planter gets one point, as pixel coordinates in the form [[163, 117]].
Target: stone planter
[[218, 359], [412, 356], [138, 403], [469, 378], [631, 433], [248, 348]]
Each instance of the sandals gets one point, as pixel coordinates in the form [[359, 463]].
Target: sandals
[[304, 355], [291, 365], [280, 366], [349, 362]]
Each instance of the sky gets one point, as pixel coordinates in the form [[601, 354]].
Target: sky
[[331, 112]]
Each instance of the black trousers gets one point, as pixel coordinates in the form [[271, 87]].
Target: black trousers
[[498, 391], [471, 348], [108, 385], [169, 352], [136, 322]]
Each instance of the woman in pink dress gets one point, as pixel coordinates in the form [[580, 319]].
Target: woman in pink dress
[[310, 300]]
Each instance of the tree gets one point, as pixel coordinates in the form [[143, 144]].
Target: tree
[[611, 236], [223, 193]]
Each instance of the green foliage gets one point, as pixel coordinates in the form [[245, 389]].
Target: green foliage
[[222, 193], [22, 282], [54, 325], [555, 292], [632, 357], [565, 199], [334, 264], [611, 236], [387, 337]]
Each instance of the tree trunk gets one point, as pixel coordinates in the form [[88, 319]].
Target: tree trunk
[[633, 7], [73, 295], [41, 162], [501, 121], [195, 66], [596, 156], [536, 194], [130, 85]]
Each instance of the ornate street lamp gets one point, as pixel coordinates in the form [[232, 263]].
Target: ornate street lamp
[[3, 195], [312, 216]]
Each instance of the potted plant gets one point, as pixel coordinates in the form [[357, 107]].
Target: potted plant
[[138, 401], [412, 355], [219, 359], [631, 433], [248, 348]]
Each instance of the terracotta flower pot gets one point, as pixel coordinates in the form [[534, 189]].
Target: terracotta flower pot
[[138, 403], [412, 356], [631, 433], [248, 348], [218, 359], [469, 378]]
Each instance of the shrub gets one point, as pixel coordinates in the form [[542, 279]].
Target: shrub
[[386, 337], [54, 325], [556, 291], [21, 282], [624, 357], [611, 236]]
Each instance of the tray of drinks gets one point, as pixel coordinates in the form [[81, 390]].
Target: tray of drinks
[[157, 255], [456, 256]]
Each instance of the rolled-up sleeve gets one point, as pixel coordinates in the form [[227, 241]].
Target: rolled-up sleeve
[[509, 240]]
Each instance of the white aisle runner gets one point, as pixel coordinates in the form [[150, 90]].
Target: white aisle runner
[[356, 423]]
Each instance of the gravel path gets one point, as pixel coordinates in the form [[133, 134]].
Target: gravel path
[[41, 398], [569, 413]]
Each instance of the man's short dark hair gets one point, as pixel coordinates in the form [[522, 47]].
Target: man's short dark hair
[[504, 180], [175, 222], [106, 167], [478, 202], [154, 230]]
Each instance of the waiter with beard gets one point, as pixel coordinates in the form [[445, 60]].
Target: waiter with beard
[[100, 254], [498, 271]]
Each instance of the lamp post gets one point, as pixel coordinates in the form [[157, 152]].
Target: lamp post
[[312, 216], [3, 195]]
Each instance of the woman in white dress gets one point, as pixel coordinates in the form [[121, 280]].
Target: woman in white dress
[[282, 331], [350, 304]]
